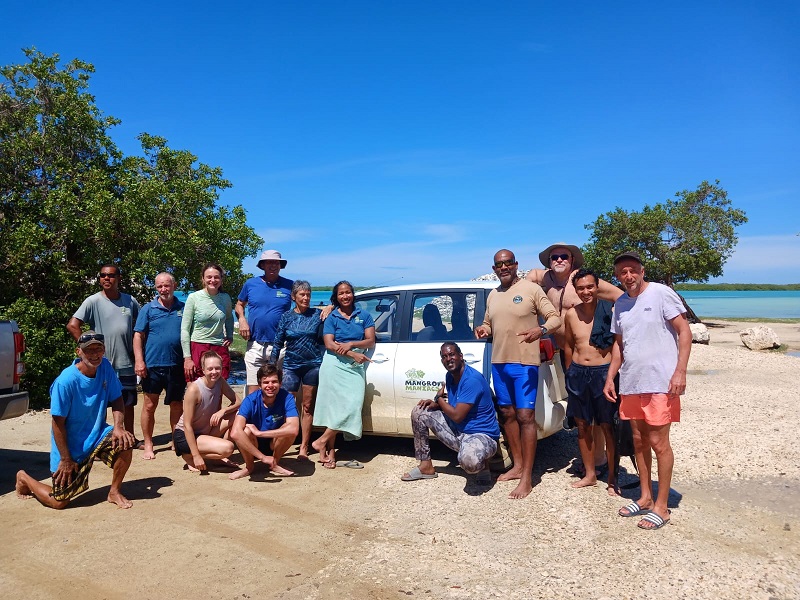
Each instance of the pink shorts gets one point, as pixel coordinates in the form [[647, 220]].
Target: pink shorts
[[197, 351], [653, 409]]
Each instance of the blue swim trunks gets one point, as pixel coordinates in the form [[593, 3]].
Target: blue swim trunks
[[515, 384]]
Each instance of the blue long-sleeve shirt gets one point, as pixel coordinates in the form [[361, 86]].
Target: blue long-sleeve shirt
[[299, 333]]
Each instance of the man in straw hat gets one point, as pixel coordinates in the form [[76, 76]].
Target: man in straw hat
[[266, 297]]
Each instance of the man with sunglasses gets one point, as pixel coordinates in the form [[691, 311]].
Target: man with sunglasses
[[561, 262], [80, 435], [512, 318], [113, 314]]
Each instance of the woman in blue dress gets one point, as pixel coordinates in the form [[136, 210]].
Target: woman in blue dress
[[348, 333], [299, 330]]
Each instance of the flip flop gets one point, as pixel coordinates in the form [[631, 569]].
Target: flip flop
[[657, 520], [350, 464], [415, 475], [634, 510]]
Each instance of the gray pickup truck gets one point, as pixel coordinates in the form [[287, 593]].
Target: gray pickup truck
[[13, 402]]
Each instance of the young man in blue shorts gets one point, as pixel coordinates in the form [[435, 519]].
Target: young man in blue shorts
[[512, 318], [266, 424]]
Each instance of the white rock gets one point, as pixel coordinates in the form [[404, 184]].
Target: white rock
[[700, 333], [759, 337]]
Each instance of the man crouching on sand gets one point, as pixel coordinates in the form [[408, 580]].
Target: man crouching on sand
[[78, 401], [267, 423]]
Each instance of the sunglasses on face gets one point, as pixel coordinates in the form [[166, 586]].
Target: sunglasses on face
[[555, 257], [91, 337], [504, 263], [108, 275]]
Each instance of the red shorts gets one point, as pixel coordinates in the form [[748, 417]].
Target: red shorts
[[197, 351], [653, 409]]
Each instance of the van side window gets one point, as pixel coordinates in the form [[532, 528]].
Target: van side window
[[443, 317], [384, 312]]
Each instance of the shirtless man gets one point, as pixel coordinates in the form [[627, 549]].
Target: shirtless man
[[587, 358], [267, 423], [562, 261]]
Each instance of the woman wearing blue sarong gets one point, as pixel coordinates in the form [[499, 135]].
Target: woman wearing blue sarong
[[348, 333]]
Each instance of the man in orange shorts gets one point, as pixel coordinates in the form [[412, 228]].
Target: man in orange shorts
[[652, 341]]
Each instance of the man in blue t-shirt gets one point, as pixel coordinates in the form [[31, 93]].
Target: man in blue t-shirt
[[266, 299], [78, 400], [159, 357], [267, 422], [461, 415]]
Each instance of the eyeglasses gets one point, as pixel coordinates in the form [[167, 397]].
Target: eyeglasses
[[108, 275], [555, 257], [91, 337], [504, 263]]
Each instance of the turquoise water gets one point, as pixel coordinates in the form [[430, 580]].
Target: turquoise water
[[767, 305], [316, 297]]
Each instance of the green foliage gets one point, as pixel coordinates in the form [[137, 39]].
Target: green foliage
[[70, 201], [49, 348], [686, 239]]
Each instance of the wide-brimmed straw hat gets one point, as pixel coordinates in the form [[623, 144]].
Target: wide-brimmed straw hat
[[577, 256], [271, 255]]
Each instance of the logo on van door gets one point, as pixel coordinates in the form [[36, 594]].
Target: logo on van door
[[416, 382]]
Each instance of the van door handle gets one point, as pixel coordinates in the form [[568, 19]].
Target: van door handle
[[380, 358], [470, 358]]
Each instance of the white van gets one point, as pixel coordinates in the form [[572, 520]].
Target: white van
[[411, 322]]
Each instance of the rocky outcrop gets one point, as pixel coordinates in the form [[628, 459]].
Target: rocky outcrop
[[700, 334], [759, 338]]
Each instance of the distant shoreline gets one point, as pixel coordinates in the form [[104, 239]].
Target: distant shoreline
[[736, 287]]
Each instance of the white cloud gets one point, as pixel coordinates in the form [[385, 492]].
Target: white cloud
[[764, 259]]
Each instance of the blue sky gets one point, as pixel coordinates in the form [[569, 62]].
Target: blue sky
[[408, 141]]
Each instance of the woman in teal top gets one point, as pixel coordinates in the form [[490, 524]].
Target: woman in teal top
[[348, 333], [207, 324]]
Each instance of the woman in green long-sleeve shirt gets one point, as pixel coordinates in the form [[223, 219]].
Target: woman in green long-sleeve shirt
[[207, 324]]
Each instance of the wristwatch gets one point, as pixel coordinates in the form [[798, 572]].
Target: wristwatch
[[544, 329]]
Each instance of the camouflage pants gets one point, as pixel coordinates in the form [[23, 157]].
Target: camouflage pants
[[474, 449]]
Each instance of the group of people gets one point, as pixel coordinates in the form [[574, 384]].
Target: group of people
[[182, 350], [621, 351]]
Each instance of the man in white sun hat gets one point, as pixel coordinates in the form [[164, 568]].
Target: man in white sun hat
[[266, 297]]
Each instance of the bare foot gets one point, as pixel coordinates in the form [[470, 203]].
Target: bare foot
[[239, 474], [323, 451], [303, 453], [147, 453], [279, 470], [511, 475], [120, 500], [329, 464], [192, 468], [613, 489], [521, 491], [585, 482], [23, 491]]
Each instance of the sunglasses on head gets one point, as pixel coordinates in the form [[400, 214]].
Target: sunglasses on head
[[91, 337], [555, 257]]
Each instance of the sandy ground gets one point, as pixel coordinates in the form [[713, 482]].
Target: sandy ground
[[735, 503]]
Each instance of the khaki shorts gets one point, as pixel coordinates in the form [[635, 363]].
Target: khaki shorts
[[257, 356], [653, 409]]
